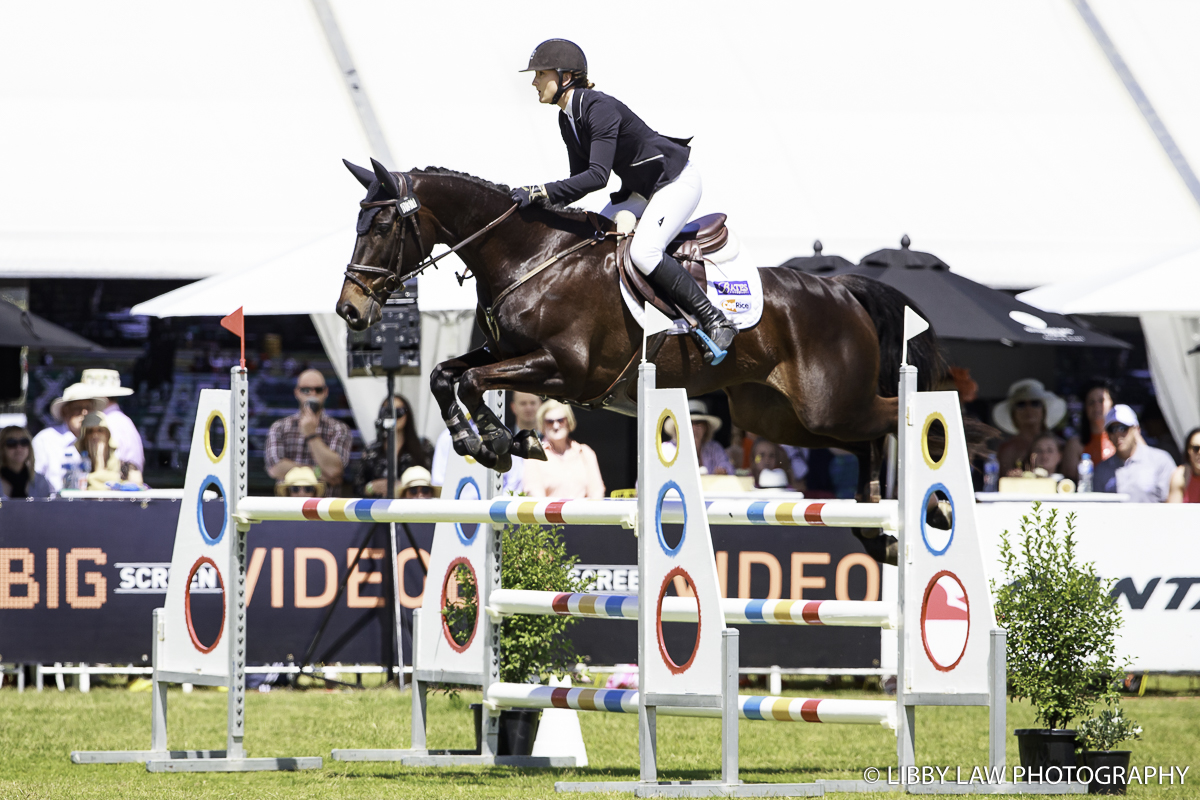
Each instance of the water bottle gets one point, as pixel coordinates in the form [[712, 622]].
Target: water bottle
[[1086, 469], [991, 474]]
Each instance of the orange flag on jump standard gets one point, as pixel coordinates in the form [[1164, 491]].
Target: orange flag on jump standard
[[236, 325]]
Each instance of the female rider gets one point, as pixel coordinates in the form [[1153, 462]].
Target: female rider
[[602, 136]]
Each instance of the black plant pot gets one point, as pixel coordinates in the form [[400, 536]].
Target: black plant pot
[[1042, 748], [518, 730], [1104, 777]]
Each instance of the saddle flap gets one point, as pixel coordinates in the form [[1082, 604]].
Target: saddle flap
[[641, 289]]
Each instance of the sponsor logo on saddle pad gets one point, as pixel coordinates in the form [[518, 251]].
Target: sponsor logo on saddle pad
[[732, 287], [734, 306]]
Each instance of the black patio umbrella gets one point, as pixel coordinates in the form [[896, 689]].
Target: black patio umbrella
[[818, 263], [19, 328], [959, 308]]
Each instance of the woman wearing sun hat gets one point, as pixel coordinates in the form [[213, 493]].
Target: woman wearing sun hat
[[54, 450], [1028, 412], [106, 383]]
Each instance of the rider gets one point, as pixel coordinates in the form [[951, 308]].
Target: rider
[[657, 179]]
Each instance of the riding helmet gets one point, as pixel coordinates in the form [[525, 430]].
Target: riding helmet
[[560, 55]]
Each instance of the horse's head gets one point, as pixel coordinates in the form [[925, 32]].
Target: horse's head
[[388, 219]]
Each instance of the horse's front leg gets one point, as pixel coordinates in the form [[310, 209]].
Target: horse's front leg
[[441, 382], [537, 373]]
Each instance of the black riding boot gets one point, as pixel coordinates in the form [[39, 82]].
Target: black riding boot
[[674, 281]]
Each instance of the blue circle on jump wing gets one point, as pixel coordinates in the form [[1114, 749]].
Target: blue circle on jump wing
[[462, 534], [925, 534], [658, 511], [211, 480]]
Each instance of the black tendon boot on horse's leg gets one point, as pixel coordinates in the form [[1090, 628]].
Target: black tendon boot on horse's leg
[[674, 281]]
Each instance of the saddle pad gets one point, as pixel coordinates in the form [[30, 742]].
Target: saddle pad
[[735, 287]]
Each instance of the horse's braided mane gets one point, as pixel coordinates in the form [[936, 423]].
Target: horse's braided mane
[[574, 214]]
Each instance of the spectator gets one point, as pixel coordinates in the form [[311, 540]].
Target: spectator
[[1097, 402], [106, 383], [98, 444], [1027, 413], [54, 450], [713, 458], [300, 482], [1185, 481], [409, 450], [771, 467], [1047, 454], [309, 438], [415, 484], [524, 407], [571, 469], [1136, 469], [18, 476], [740, 446]]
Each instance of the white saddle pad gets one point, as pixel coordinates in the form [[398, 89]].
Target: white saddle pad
[[734, 286]]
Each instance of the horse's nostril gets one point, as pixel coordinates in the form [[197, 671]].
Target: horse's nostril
[[348, 312]]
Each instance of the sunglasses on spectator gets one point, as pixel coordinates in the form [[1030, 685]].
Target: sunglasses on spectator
[[418, 492], [15, 443], [302, 490], [400, 411], [1027, 404], [1192, 448], [554, 423], [311, 389], [1117, 429]]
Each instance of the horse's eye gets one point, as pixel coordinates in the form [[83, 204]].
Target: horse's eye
[[383, 228]]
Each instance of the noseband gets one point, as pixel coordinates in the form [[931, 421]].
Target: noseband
[[407, 205]]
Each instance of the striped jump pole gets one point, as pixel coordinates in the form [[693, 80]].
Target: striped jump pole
[[738, 611], [834, 514], [755, 707]]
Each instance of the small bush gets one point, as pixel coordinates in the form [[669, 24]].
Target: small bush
[[1106, 730], [531, 647], [1062, 624]]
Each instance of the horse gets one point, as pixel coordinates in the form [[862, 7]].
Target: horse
[[820, 369]]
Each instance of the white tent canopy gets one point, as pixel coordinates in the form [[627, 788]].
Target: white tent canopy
[[179, 140]]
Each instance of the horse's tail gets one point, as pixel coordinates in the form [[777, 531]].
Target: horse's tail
[[885, 305]]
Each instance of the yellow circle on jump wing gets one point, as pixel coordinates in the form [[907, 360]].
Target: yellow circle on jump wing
[[934, 417], [215, 457], [658, 437]]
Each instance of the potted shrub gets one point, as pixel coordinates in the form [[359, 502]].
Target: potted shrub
[[1062, 627], [1097, 737], [531, 647]]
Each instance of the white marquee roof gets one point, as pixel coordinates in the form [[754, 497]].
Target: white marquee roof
[[143, 139]]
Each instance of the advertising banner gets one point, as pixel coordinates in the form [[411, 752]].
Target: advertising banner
[[79, 580]]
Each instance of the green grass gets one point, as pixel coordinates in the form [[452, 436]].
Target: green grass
[[37, 732]]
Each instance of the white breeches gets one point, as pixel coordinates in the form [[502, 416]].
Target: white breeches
[[662, 217]]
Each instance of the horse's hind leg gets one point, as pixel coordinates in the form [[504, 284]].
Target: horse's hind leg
[[882, 547]]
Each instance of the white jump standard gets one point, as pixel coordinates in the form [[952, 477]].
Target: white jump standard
[[178, 651]]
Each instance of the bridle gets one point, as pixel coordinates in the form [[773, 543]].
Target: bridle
[[407, 205]]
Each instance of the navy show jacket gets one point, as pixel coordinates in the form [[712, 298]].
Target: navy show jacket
[[614, 139]]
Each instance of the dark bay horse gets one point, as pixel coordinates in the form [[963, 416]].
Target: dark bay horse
[[819, 370]]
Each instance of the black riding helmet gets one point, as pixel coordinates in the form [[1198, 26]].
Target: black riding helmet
[[561, 56]]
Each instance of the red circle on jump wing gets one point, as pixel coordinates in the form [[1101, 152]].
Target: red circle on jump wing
[[459, 648], [676, 669], [938, 607], [187, 606]]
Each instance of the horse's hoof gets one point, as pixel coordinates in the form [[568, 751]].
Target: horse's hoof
[[503, 463], [526, 444], [884, 549]]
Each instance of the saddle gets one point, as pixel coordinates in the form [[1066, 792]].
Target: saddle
[[699, 238]]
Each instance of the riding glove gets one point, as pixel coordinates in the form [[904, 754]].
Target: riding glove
[[524, 196]]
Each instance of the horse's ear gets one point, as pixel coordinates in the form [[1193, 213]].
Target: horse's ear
[[386, 179], [364, 175]]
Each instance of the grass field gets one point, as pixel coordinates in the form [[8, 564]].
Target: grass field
[[37, 731]]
